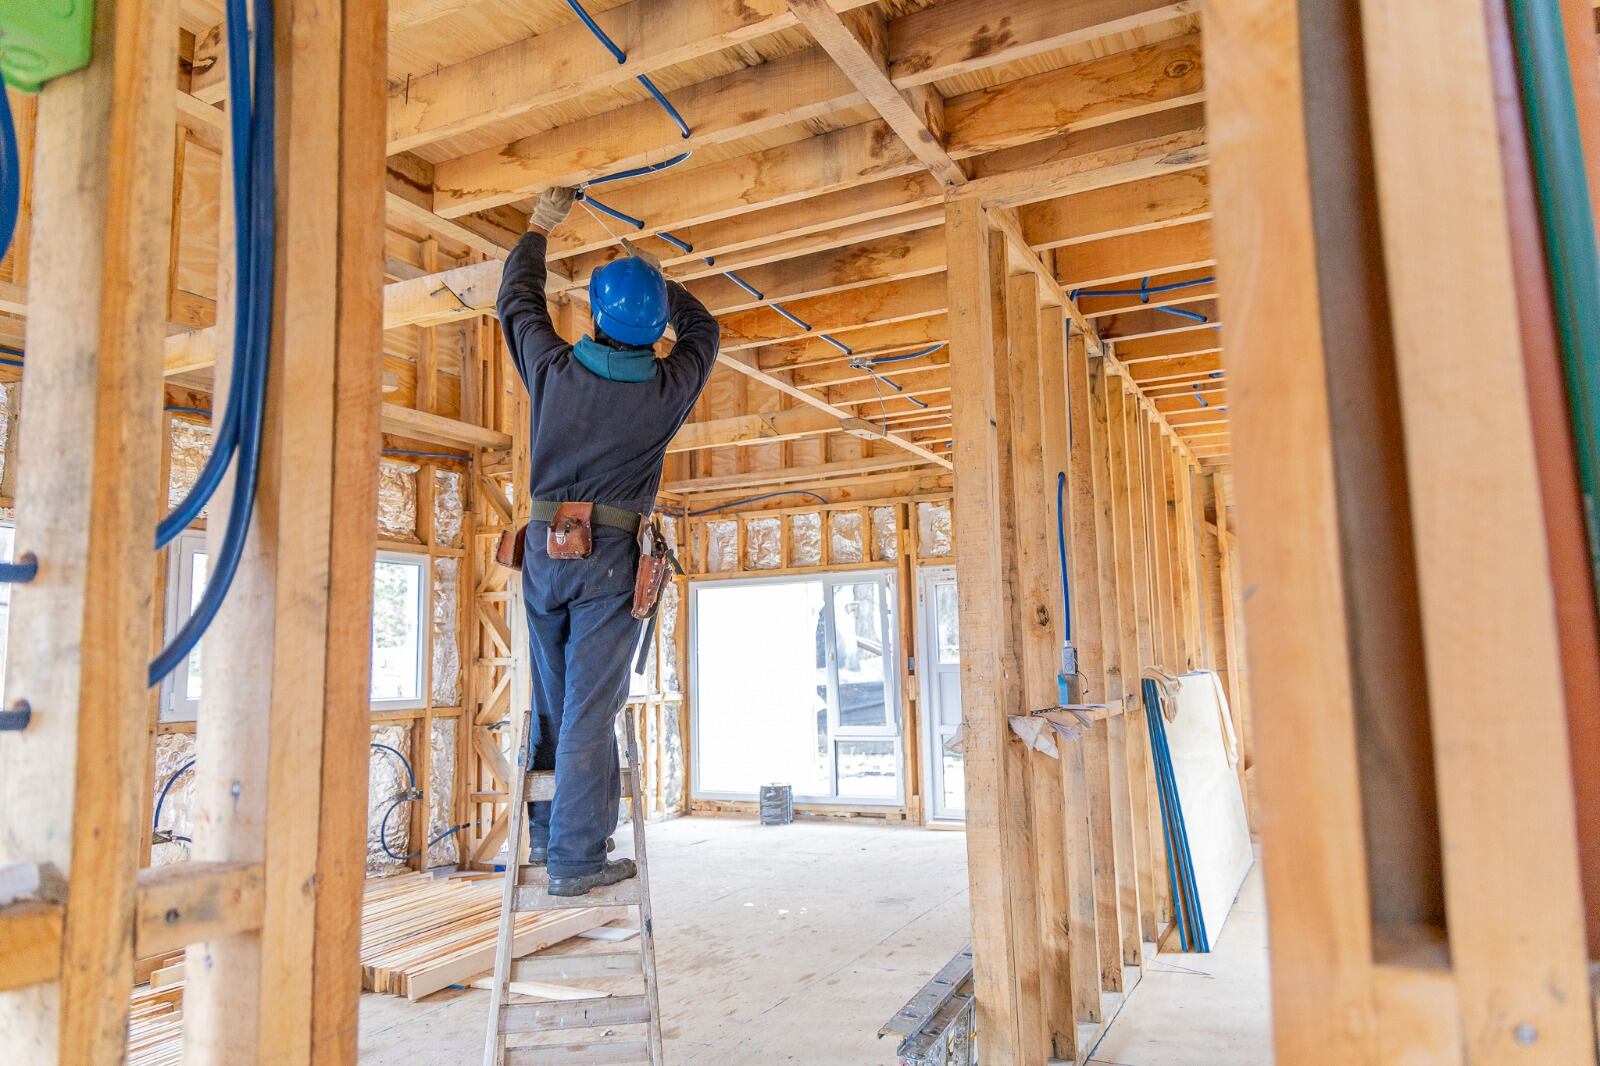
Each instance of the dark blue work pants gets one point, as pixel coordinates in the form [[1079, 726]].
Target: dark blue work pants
[[582, 634]]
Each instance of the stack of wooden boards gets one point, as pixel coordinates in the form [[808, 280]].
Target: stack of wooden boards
[[419, 934]]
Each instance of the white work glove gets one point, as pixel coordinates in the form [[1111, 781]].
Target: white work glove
[[552, 208]]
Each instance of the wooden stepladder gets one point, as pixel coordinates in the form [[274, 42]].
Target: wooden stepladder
[[590, 1020]]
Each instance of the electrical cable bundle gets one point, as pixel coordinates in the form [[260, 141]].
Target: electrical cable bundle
[[252, 126]]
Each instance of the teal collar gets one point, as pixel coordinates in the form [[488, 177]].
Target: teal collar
[[616, 364]]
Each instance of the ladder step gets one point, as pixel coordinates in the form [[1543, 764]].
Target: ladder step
[[577, 967], [574, 1014], [601, 1051], [534, 897], [542, 784]]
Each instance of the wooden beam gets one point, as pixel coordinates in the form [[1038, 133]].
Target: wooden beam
[[70, 784], [859, 47], [1168, 199], [1196, 340], [787, 424], [568, 62], [184, 903], [1099, 263], [437, 429], [967, 35], [1487, 609], [285, 711], [794, 88], [30, 942], [837, 313], [1000, 870], [1319, 917], [782, 475]]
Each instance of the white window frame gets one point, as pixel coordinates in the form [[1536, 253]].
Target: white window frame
[[891, 732], [175, 707], [424, 629]]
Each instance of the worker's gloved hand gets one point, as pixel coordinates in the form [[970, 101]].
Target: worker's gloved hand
[[553, 206]]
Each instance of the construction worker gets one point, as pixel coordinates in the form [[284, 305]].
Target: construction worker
[[604, 410]]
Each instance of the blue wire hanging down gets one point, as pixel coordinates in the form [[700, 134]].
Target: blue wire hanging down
[[252, 111], [10, 175]]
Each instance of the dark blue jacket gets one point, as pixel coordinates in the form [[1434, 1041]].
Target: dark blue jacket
[[593, 439]]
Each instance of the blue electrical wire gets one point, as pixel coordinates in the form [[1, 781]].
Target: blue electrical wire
[[24, 570], [1061, 546], [755, 499], [1144, 291], [621, 57], [255, 206], [640, 171], [10, 175], [882, 359]]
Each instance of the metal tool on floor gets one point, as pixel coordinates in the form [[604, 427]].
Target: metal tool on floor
[[937, 1026], [590, 1022]]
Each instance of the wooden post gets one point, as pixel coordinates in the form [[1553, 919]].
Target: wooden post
[[1000, 860], [1078, 845], [284, 731], [1037, 601], [70, 784], [1089, 629], [1488, 614]]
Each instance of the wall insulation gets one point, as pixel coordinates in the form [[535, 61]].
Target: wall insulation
[[441, 783], [722, 547], [172, 751], [397, 501], [8, 393], [447, 508], [190, 448], [933, 530], [385, 783], [671, 597], [885, 535], [446, 602], [763, 544], [805, 539], [672, 776], [845, 537]]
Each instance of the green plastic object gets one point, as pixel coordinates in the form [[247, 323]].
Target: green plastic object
[[43, 39]]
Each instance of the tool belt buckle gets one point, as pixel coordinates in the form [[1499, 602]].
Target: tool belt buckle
[[571, 534], [656, 564]]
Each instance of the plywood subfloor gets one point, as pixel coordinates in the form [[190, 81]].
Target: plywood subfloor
[[775, 945], [793, 945], [1202, 1010]]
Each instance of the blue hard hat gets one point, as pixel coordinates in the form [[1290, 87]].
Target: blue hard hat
[[628, 299]]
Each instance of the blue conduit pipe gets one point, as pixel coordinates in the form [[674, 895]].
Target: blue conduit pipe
[[1556, 144], [1145, 289], [611, 46], [755, 499], [10, 175], [252, 110], [677, 242], [1061, 549], [161, 799], [24, 570], [884, 359]]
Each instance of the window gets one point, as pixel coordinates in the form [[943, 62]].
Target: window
[[186, 584], [807, 697], [399, 633]]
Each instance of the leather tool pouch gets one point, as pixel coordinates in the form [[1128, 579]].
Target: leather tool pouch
[[571, 533], [655, 569], [508, 550]]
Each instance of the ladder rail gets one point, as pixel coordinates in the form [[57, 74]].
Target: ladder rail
[[516, 828], [515, 897]]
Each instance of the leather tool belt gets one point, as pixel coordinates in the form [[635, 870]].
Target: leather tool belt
[[571, 533]]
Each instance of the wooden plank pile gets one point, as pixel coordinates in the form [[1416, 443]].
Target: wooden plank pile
[[419, 934]]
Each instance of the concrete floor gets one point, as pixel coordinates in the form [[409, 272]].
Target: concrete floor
[[794, 944]]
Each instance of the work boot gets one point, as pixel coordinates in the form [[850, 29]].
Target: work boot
[[539, 855], [581, 885]]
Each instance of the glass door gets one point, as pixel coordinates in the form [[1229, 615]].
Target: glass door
[[795, 683], [939, 668]]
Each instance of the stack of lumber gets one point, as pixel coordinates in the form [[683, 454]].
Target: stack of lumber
[[420, 934], [155, 1024]]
